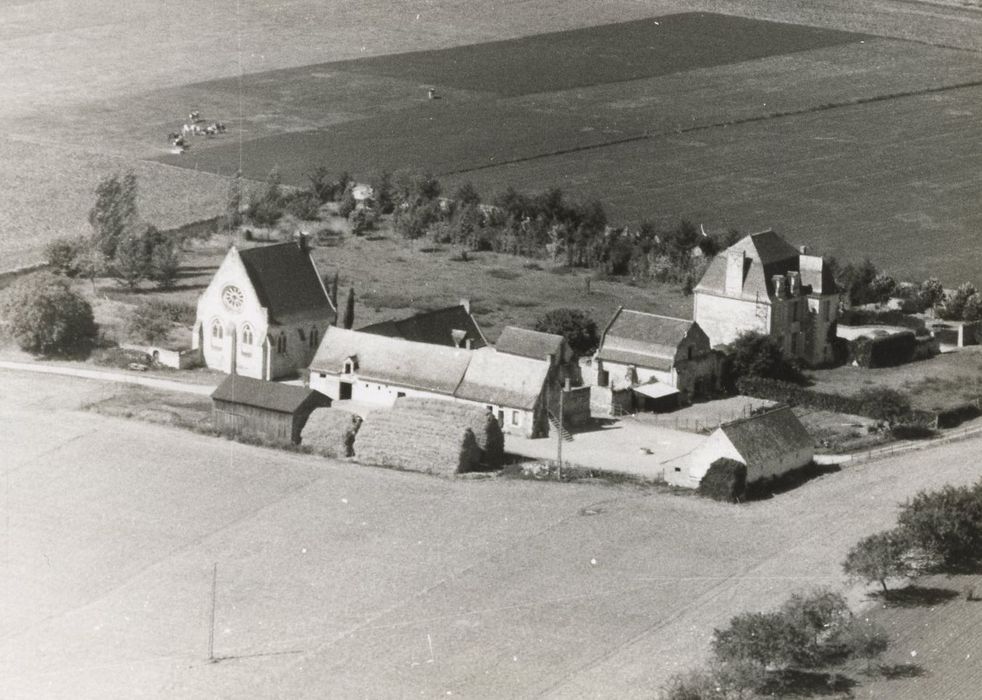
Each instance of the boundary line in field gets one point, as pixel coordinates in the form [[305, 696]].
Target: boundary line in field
[[645, 136]]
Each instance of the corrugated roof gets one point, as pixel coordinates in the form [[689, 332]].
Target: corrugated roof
[[392, 360], [433, 327], [285, 280], [642, 339], [767, 437], [526, 343], [283, 398], [503, 379]]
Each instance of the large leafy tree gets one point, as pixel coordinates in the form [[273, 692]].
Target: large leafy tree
[[878, 557], [757, 355], [114, 214], [45, 316], [576, 326], [946, 524]]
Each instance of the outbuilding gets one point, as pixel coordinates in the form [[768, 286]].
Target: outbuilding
[[276, 412]]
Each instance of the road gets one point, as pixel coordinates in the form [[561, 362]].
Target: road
[[341, 581]]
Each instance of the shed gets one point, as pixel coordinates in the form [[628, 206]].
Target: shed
[[277, 412], [771, 443]]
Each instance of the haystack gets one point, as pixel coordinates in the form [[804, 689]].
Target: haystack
[[417, 442], [481, 421], [331, 432]]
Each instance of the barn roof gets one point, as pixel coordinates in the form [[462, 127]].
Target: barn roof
[[282, 398], [503, 379], [768, 436], [392, 360], [285, 279], [526, 343], [642, 339], [438, 327]]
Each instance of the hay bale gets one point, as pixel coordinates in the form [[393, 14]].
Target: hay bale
[[331, 432], [481, 421], [417, 442]]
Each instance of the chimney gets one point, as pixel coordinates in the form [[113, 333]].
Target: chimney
[[803, 249], [794, 283], [779, 289], [734, 272], [466, 303]]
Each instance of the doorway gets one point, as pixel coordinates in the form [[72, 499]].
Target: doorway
[[345, 392]]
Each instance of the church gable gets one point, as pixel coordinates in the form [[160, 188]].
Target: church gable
[[231, 295]]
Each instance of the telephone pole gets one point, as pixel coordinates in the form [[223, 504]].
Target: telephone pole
[[211, 627]]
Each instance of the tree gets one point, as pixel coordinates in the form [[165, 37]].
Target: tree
[[384, 192], [818, 614], [579, 330], [348, 319], [467, 195], [114, 214], [348, 202], [45, 316], [930, 293], [856, 281], [761, 639], [321, 185], [878, 557], [754, 354], [946, 524], [131, 263], [266, 207], [864, 639], [881, 288], [62, 254], [972, 310], [165, 259], [953, 307], [149, 322]]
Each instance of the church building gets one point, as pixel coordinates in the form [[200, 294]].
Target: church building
[[264, 312]]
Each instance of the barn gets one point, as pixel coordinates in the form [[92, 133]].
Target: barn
[[276, 412]]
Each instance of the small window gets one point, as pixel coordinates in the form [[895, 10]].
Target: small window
[[217, 333], [678, 469], [514, 417], [323, 375]]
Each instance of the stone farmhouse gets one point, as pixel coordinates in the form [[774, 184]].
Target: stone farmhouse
[[453, 327], [761, 283], [542, 346], [651, 362], [263, 313], [375, 369], [770, 444]]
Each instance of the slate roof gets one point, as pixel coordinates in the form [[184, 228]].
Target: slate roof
[[526, 343], [766, 254], [282, 398], [392, 360], [433, 327], [642, 339], [767, 437], [285, 280], [503, 379]]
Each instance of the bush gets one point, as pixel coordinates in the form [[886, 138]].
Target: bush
[[795, 395], [45, 316], [362, 220], [754, 354], [303, 205], [348, 202], [148, 322], [725, 480], [576, 326], [883, 403], [63, 253], [912, 431]]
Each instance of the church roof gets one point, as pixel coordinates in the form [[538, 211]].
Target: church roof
[[286, 280], [434, 327]]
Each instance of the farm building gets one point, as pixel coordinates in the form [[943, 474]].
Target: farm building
[[376, 369], [537, 345], [453, 326], [663, 361], [263, 313], [770, 444], [761, 283], [417, 441], [277, 412]]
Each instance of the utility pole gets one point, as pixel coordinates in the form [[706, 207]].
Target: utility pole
[[559, 438], [211, 627]]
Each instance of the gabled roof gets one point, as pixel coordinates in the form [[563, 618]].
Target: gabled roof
[[642, 339], [767, 437], [283, 398], [534, 344], [392, 360], [286, 280], [434, 327], [503, 379]]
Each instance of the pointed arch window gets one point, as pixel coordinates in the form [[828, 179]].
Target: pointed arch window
[[248, 339], [217, 333], [281, 344]]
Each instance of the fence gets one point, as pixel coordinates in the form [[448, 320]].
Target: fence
[[705, 423], [904, 447]]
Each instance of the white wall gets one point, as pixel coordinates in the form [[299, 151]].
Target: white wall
[[689, 469], [723, 318]]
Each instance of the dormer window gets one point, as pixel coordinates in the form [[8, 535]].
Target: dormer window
[[350, 365]]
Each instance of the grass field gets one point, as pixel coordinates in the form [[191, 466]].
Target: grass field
[[342, 581]]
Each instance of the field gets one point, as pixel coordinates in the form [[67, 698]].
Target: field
[[342, 581]]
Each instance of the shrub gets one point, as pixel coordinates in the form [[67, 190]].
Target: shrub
[[348, 202], [149, 322], [883, 403], [885, 351], [754, 354], [946, 524], [361, 220], [864, 639], [576, 326], [63, 253], [760, 639], [878, 557], [45, 316], [303, 205], [912, 431], [266, 207], [725, 480]]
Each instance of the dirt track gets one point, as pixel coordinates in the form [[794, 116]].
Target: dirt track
[[343, 581]]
